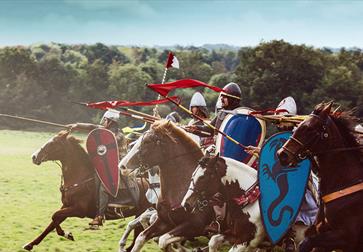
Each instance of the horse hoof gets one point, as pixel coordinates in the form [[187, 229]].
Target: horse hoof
[[28, 247], [69, 236]]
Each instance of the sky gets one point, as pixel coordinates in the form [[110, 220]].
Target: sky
[[319, 23]]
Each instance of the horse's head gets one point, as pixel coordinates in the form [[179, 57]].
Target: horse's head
[[317, 132], [52, 150], [205, 182]]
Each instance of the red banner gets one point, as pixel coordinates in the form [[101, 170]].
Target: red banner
[[114, 104], [164, 89]]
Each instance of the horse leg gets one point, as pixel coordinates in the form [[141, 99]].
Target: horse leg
[[157, 228], [130, 226], [166, 239], [215, 242], [61, 232], [138, 229], [29, 246], [57, 218]]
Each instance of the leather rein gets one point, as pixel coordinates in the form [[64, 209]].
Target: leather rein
[[305, 153]]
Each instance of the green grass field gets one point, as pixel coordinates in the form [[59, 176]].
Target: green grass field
[[29, 195]]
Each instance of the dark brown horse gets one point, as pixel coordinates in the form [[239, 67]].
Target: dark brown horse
[[177, 155], [78, 188], [328, 137]]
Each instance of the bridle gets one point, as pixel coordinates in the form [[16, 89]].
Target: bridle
[[305, 149], [322, 134]]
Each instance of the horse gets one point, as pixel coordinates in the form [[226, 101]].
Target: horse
[[237, 185], [177, 155], [233, 180], [328, 138], [78, 188]]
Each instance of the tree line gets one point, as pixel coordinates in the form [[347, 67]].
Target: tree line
[[41, 81]]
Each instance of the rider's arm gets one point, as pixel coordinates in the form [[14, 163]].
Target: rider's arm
[[202, 130]]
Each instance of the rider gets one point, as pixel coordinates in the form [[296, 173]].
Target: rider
[[230, 99], [198, 107], [109, 121], [309, 207]]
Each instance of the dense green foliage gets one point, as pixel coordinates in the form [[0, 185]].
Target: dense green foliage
[[40, 81]]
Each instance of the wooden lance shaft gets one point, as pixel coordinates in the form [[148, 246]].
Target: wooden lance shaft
[[36, 121], [153, 118], [138, 117]]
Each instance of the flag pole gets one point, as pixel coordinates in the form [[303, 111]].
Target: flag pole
[[169, 63]]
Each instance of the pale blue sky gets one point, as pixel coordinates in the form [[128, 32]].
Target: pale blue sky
[[184, 22]]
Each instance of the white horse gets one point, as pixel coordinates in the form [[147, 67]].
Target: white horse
[[238, 183]]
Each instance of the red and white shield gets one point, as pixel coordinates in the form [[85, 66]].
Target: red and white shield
[[103, 150]]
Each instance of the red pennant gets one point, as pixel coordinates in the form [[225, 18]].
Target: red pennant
[[164, 89]]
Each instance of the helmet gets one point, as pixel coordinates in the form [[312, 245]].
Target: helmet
[[111, 115], [197, 101], [232, 90], [287, 106], [174, 117], [359, 128]]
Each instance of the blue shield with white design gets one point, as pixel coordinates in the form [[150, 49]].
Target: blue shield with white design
[[246, 129], [282, 188]]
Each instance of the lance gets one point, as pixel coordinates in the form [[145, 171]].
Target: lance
[[206, 123], [153, 118], [141, 116], [36, 121], [138, 117]]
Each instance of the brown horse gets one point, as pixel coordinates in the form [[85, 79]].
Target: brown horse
[[328, 137], [177, 155], [78, 188]]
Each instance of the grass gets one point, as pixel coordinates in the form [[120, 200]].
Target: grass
[[29, 195]]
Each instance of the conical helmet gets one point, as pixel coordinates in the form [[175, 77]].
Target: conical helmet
[[287, 107], [197, 101], [111, 115]]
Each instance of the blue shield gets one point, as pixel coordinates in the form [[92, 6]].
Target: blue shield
[[282, 188], [244, 128]]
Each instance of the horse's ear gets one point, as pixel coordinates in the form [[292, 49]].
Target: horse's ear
[[65, 133], [326, 110]]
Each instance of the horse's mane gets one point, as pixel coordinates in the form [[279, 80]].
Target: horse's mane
[[168, 128], [345, 121], [77, 150]]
